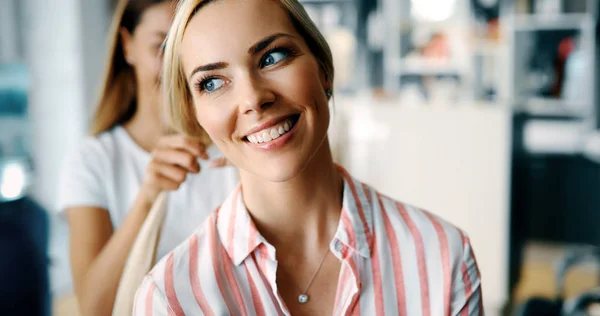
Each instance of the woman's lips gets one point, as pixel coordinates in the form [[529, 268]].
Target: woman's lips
[[270, 133]]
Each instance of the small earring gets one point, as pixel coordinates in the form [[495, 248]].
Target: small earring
[[328, 93]]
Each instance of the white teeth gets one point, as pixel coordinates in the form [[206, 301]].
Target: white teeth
[[271, 133], [266, 136], [274, 133]]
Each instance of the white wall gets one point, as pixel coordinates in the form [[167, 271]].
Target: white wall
[[9, 48], [64, 44]]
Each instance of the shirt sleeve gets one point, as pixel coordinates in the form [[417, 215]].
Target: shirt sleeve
[[81, 181], [466, 290], [149, 300]]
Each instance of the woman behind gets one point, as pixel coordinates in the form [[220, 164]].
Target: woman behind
[[299, 235], [110, 183]]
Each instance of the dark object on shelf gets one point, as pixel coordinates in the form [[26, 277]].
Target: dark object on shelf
[[486, 12], [24, 285]]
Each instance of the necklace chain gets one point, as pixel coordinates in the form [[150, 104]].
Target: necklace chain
[[303, 298]]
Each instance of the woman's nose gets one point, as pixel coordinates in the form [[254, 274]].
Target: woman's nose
[[255, 95]]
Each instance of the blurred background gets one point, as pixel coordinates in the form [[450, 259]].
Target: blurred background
[[482, 111]]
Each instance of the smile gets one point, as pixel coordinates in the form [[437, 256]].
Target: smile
[[273, 132]]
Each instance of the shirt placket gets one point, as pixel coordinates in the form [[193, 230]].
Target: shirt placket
[[348, 287], [269, 269]]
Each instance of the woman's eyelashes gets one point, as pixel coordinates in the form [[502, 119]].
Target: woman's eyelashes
[[209, 84], [276, 55]]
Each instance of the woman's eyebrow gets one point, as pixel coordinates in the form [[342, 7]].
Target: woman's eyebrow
[[263, 43]]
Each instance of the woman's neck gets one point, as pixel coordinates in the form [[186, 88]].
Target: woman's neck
[[301, 213], [142, 127]]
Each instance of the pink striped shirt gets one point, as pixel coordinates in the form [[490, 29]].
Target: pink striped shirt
[[396, 260]]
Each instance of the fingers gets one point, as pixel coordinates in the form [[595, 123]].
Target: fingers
[[169, 171], [186, 143], [177, 157]]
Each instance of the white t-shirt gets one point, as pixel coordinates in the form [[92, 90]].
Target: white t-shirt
[[107, 171]]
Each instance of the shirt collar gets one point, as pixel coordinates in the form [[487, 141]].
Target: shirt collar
[[356, 220], [240, 238]]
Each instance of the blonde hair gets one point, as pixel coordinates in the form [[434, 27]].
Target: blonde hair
[[179, 101], [117, 102]]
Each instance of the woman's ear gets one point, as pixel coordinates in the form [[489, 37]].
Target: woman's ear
[[326, 82], [127, 42]]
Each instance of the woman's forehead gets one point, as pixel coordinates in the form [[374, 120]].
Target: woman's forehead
[[232, 26]]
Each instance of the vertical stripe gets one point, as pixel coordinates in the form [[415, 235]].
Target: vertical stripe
[[396, 260], [342, 285], [195, 280], [349, 229], [252, 237], [465, 274], [467, 282], [170, 287], [354, 295], [263, 259], [445, 253], [377, 282], [256, 299], [231, 225], [214, 242], [358, 203], [422, 264], [267, 286], [349, 258], [149, 298], [367, 192], [231, 280]]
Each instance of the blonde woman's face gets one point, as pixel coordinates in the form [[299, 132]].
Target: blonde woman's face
[[257, 89]]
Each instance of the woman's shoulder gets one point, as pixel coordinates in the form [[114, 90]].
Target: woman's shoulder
[[97, 147], [415, 227]]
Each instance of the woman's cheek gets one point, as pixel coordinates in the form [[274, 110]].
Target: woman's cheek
[[215, 121], [300, 84]]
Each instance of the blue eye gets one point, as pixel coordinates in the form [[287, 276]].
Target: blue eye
[[273, 58], [211, 84]]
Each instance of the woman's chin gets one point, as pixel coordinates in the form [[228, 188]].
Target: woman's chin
[[279, 171]]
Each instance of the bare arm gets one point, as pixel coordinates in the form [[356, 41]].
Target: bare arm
[[98, 253]]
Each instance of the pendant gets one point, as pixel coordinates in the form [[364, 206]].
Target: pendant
[[303, 298]]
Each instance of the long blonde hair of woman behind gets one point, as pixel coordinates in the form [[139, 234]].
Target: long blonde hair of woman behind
[[117, 102], [179, 97]]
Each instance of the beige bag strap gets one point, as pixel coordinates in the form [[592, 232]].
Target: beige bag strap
[[141, 257]]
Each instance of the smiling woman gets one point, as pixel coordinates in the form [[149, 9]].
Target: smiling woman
[[299, 235]]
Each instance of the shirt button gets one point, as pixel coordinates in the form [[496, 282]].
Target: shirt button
[[339, 247]]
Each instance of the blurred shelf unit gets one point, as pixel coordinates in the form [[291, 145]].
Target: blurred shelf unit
[[540, 45], [406, 36], [551, 108], [552, 22], [402, 67]]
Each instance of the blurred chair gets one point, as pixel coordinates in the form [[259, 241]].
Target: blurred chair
[[560, 305]]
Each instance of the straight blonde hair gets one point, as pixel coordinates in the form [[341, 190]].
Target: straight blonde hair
[[117, 103], [179, 101]]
